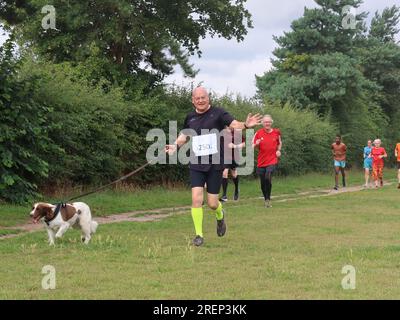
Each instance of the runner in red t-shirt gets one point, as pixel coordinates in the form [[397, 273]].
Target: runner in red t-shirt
[[378, 153], [269, 142]]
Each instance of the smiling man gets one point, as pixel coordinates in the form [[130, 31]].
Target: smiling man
[[204, 121], [269, 142]]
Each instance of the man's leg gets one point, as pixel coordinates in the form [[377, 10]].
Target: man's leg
[[398, 174], [375, 175], [198, 180], [337, 170], [224, 184], [236, 182], [261, 173], [197, 210], [366, 177], [342, 170], [214, 180], [268, 178]]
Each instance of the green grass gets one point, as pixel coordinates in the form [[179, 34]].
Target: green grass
[[6, 232], [296, 250], [111, 202]]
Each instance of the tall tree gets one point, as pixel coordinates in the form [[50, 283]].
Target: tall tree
[[330, 63], [315, 64], [126, 36], [385, 26]]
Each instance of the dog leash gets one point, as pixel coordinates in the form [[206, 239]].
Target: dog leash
[[111, 183]]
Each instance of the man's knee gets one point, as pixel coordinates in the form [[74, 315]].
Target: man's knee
[[197, 197], [213, 202], [213, 206]]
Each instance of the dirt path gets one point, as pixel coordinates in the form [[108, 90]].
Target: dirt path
[[159, 214]]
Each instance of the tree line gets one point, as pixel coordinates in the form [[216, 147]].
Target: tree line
[[76, 102]]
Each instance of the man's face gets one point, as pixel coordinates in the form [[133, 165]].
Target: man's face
[[338, 140], [369, 143], [200, 100], [267, 123]]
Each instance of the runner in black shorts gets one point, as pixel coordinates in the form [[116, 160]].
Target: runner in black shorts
[[233, 143], [207, 156]]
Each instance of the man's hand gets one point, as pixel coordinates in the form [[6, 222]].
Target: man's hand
[[170, 149], [278, 154], [257, 142], [253, 120], [231, 146]]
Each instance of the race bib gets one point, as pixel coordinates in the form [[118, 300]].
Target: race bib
[[205, 145]]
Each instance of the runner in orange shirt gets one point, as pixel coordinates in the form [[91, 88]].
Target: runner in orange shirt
[[378, 153], [339, 150]]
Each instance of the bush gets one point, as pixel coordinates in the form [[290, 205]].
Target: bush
[[306, 140], [23, 132], [306, 137]]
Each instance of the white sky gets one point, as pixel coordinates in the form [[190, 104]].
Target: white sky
[[228, 66]]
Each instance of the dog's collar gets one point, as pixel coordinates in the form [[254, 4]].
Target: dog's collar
[[56, 212]]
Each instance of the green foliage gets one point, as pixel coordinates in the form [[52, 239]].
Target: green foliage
[[348, 75], [306, 136], [385, 26], [306, 139], [23, 131], [86, 135], [125, 36]]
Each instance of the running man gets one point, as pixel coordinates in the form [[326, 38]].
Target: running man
[[233, 143], [397, 154], [339, 150], [367, 162], [269, 142], [204, 146], [378, 153]]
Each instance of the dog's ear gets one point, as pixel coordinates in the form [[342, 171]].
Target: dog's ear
[[47, 212]]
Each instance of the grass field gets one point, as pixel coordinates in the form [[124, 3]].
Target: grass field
[[296, 250]]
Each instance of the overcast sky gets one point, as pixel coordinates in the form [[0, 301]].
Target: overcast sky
[[228, 66]]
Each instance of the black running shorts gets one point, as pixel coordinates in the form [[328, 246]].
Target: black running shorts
[[213, 179]]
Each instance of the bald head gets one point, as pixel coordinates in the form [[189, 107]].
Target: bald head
[[199, 90], [200, 99]]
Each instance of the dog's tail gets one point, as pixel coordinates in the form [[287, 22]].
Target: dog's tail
[[93, 226]]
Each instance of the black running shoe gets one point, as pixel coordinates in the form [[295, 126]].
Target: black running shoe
[[236, 196], [336, 188], [221, 226], [223, 199], [198, 241], [398, 187]]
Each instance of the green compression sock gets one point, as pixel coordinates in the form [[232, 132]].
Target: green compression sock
[[219, 213], [197, 215]]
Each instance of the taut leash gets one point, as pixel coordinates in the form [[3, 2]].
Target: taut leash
[[111, 183]]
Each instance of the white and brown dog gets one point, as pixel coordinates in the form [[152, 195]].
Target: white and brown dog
[[59, 219]]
